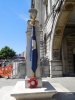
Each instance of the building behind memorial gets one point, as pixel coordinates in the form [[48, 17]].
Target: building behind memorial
[[57, 39]]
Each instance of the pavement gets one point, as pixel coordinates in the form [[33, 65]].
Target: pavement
[[8, 82], [6, 88], [65, 86], [67, 82]]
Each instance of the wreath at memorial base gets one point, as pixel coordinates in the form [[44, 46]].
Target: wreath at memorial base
[[33, 82]]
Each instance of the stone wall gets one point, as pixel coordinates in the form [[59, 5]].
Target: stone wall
[[19, 69], [68, 47], [56, 68]]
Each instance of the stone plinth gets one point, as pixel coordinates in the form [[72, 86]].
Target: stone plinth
[[22, 93]]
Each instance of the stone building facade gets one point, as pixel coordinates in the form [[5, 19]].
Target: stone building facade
[[57, 38]]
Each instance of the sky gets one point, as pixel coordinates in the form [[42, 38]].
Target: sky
[[13, 24]]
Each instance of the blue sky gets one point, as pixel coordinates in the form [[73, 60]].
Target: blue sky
[[13, 23]]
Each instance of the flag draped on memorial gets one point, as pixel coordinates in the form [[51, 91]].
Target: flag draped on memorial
[[33, 51]]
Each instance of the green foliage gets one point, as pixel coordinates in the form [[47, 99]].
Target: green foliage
[[7, 53]]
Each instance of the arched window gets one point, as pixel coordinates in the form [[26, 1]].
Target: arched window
[[45, 43], [32, 3], [46, 10], [46, 7]]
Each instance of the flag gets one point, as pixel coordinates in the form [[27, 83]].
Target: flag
[[33, 51]]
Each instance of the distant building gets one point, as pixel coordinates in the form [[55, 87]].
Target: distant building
[[19, 66], [19, 69], [23, 54]]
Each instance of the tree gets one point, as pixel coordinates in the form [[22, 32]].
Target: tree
[[7, 53]]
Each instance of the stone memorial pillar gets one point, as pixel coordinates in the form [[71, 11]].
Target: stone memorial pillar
[[33, 78], [22, 90]]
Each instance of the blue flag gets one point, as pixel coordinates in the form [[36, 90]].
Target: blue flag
[[33, 50]]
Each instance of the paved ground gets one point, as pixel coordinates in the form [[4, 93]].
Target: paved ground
[[6, 87], [67, 82], [8, 82], [64, 85]]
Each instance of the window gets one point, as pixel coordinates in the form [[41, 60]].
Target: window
[[32, 4], [46, 10], [46, 7], [50, 5], [45, 45]]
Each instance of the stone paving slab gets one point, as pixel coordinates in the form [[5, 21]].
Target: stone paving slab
[[8, 82], [66, 82], [5, 93]]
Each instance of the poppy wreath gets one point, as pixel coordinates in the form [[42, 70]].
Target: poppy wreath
[[33, 82]]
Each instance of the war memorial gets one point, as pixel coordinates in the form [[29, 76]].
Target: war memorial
[[57, 27], [33, 87]]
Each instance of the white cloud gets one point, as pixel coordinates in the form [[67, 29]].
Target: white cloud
[[24, 17]]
